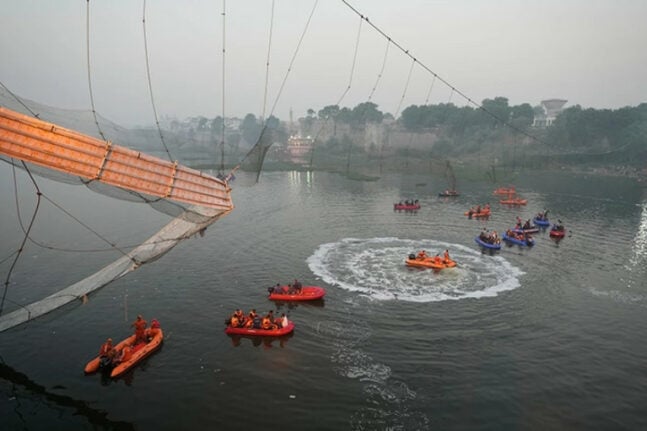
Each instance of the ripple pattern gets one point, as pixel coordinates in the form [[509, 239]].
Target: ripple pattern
[[375, 267]]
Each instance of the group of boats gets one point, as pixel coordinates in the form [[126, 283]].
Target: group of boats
[[133, 349], [281, 293], [521, 234]]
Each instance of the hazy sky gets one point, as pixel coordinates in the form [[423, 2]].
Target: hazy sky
[[590, 52]]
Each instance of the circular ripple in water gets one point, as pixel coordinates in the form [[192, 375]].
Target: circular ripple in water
[[375, 267]]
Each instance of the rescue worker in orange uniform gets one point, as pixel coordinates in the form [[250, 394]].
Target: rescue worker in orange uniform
[[446, 258], [125, 354], [140, 329], [153, 330], [107, 352]]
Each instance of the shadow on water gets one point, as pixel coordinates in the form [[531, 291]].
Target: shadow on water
[[291, 305], [129, 376], [25, 394]]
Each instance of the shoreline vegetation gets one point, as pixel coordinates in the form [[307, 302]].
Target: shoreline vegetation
[[364, 143]]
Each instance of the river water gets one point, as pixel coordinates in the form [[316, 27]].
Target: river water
[[549, 337]]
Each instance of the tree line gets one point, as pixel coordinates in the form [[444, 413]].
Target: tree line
[[614, 135]]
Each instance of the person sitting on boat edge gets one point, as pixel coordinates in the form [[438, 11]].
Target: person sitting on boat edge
[[107, 352], [153, 330], [278, 289], [422, 254], [267, 323], [257, 322], [281, 322], [234, 322], [124, 355]]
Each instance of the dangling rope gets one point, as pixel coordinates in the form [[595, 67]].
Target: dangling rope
[[352, 69], [150, 85], [436, 76], [431, 87], [350, 81], [221, 172], [24, 240], [87, 48], [276, 100], [379, 75], [267, 63], [406, 86]]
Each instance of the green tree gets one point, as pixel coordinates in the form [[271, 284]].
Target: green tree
[[498, 109], [330, 112], [250, 129], [217, 125]]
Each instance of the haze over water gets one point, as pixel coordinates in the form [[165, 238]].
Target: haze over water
[[549, 337]]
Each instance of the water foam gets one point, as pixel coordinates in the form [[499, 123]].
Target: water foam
[[375, 267]]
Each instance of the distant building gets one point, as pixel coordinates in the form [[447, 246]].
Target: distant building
[[551, 108], [299, 148]]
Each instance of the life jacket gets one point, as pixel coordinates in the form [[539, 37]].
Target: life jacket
[[267, 324], [125, 354], [105, 349]]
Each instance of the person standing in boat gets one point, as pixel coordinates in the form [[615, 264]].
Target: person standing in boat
[[297, 286], [140, 329], [446, 258]]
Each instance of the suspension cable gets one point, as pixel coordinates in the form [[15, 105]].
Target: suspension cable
[[431, 87], [406, 86], [350, 81], [222, 131], [280, 91], [379, 75], [19, 100], [87, 48], [454, 89], [150, 85], [267, 63], [24, 240], [352, 69]]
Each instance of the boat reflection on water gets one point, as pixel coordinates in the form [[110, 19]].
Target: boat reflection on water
[[291, 305], [266, 342]]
